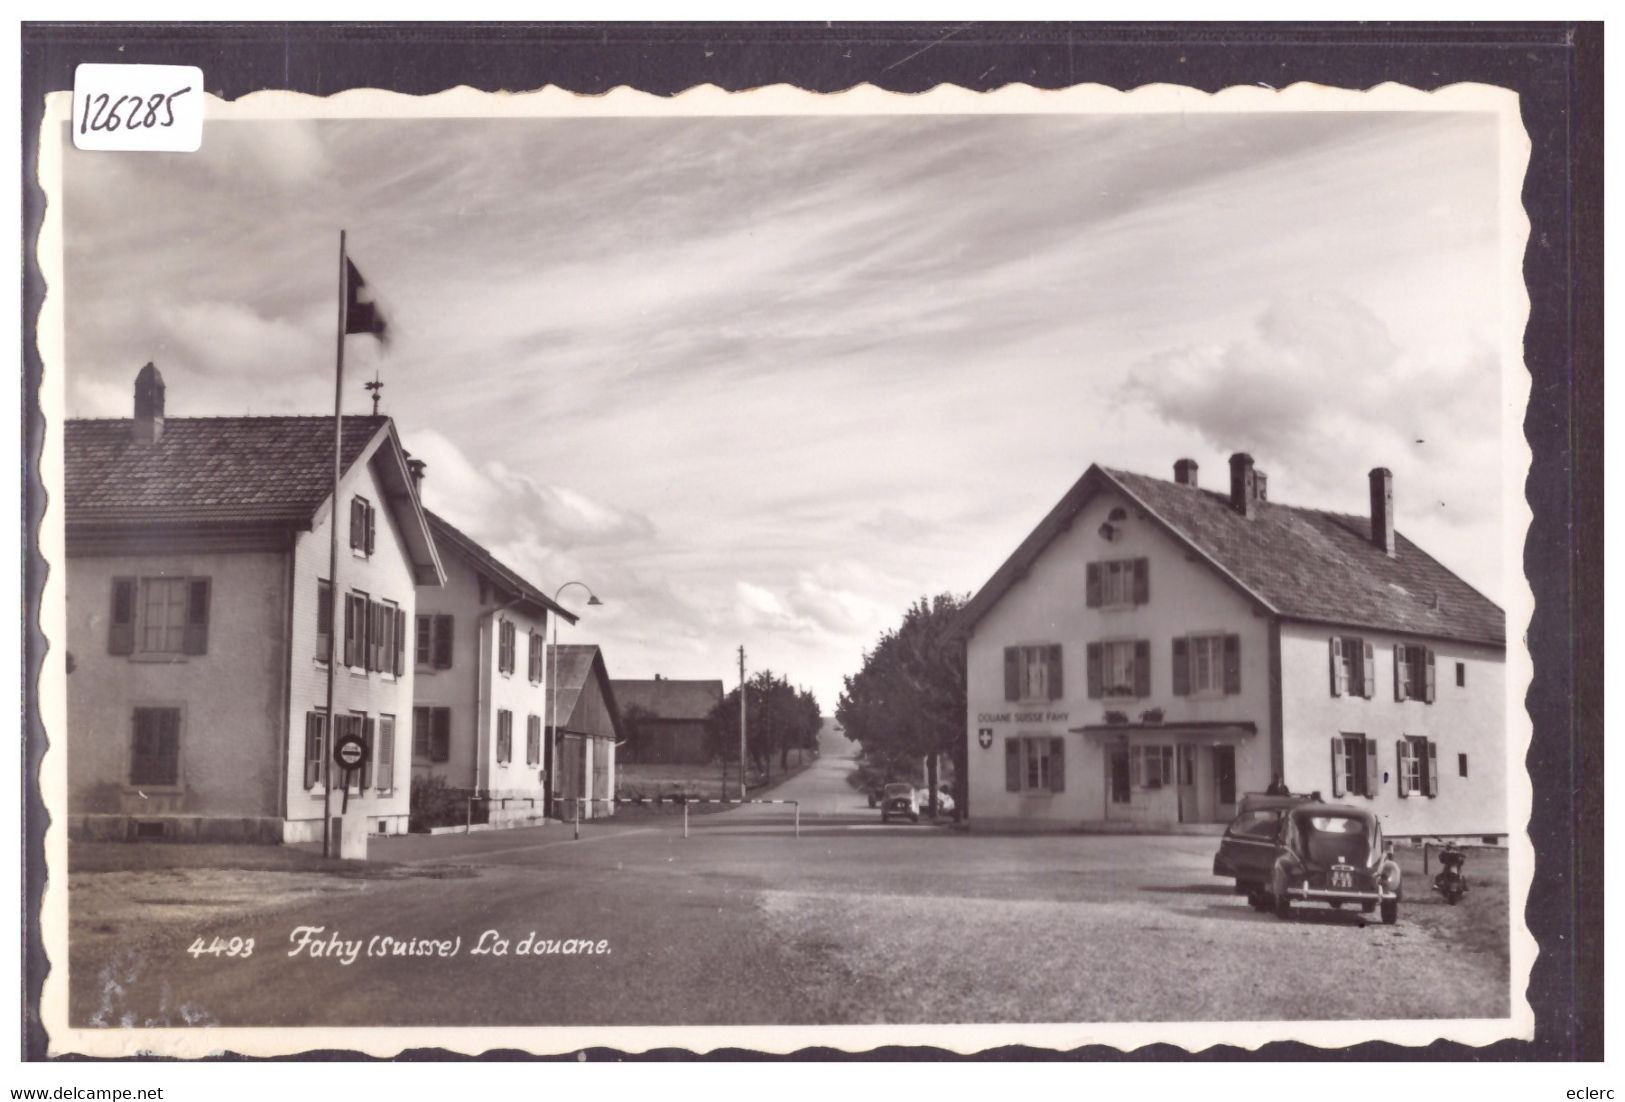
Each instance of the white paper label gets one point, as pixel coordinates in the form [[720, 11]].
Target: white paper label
[[138, 107]]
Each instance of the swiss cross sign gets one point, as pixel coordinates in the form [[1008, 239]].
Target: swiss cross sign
[[984, 735]]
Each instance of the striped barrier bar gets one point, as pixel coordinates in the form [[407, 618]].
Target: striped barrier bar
[[660, 801]]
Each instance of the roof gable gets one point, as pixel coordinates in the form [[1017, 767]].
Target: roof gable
[[1301, 564], [578, 665], [476, 555], [231, 473]]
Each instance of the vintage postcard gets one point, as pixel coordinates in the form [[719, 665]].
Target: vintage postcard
[[768, 570]]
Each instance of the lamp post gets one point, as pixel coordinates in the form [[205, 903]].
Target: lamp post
[[553, 739]]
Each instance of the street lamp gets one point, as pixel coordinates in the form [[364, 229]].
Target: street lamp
[[592, 599]]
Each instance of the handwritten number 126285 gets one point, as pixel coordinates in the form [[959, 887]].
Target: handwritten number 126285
[[129, 112]]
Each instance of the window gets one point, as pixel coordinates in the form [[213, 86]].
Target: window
[[1418, 766], [324, 621], [1461, 675], [537, 656], [434, 642], [431, 733], [1257, 826], [155, 750], [363, 525], [1034, 763], [1207, 665], [1354, 668], [504, 736], [1032, 672], [505, 647], [1413, 672], [355, 630], [1151, 767], [1461, 765], [1354, 766], [533, 740], [386, 755], [161, 615], [1120, 583], [315, 747], [1119, 668]]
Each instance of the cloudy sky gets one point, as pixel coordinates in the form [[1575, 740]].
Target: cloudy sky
[[764, 381]]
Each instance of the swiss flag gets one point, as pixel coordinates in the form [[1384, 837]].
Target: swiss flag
[[362, 313]]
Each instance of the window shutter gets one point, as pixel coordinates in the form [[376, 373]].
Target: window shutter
[[1012, 765], [400, 642], [422, 652], [121, 623], [1012, 673], [1182, 667], [1091, 588], [1336, 666], [440, 747], [442, 642], [313, 749], [1399, 671], [1427, 692], [1142, 581], [1093, 672], [420, 732], [1232, 665], [1402, 755], [1142, 668], [1055, 692], [386, 756], [372, 527], [1368, 669], [349, 631], [1057, 765], [1430, 769], [356, 524], [1337, 766], [367, 734], [1373, 769]]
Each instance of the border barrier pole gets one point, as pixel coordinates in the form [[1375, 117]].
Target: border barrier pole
[[685, 818], [798, 818]]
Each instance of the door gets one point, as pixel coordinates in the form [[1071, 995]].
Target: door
[[1118, 777], [1224, 781], [1189, 810]]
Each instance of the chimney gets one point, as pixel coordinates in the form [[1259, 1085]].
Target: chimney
[[149, 405], [417, 467], [1382, 509], [1185, 472], [1243, 484]]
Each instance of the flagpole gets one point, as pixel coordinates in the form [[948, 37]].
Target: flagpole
[[333, 563]]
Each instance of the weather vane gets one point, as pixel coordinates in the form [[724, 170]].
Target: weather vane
[[377, 388]]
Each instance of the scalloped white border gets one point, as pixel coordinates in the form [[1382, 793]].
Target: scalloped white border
[[709, 100]]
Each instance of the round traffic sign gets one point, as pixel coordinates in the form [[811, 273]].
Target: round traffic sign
[[350, 751]]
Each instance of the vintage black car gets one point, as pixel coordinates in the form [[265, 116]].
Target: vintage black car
[[1248, 850], [1322, 853]]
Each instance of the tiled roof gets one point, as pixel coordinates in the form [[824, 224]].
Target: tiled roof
[[668, 699], [205, 470], [1301, 564], [475, 552]]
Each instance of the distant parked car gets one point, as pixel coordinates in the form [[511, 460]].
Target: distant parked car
[[899, 800], [1247, 851], [945, 798]]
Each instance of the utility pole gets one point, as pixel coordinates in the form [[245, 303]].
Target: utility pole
[[742, 721]]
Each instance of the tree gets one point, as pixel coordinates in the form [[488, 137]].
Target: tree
[[908, 699], [778, 718]]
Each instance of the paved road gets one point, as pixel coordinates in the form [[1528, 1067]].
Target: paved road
[[743, 923]]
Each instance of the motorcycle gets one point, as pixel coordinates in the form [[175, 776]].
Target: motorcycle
[[1451, 882]]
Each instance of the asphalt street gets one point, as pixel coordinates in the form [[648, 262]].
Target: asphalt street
[[742, 922]]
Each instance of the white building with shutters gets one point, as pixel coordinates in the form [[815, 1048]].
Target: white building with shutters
[[198, 636], [479, 721], [1154, 650]]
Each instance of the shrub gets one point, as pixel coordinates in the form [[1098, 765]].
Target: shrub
[[436, 804]]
